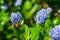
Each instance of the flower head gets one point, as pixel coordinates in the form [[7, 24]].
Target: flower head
[[15, 17], [55, 32], [42, 15], [18, 3], [5, 7]]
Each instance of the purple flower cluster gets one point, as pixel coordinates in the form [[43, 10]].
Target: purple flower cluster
[[55, 33], [42, 15], [18, 3], [15, 17]]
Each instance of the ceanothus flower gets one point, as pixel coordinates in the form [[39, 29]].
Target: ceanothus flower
[[42, 15], [15, 17], [18, 3], [55, 33], [5, 6]]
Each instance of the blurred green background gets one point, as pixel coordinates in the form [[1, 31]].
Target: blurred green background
[[29, 30]]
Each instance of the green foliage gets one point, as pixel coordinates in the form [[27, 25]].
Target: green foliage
[[29, 30], [31, 12], [56, 21], [35, 32]]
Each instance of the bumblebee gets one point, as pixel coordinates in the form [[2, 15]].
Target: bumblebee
[[16, 25]]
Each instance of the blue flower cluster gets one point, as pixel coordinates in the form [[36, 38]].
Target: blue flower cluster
[[42, 15], [18, 3], [5, 6], [15, 17], [55, 33]]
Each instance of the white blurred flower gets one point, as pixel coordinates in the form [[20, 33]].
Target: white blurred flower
[[59, 11]]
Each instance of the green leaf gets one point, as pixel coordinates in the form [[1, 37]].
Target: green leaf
[[27, 5], [1, 28], [49, 16], [48, 23], [47, 37], [14, 39], [4, 17], [1, 1], [27, 32], [56, 21], [31, 12], [9, 36], [35, 33]]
